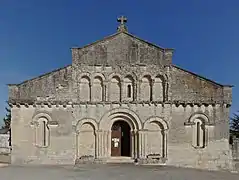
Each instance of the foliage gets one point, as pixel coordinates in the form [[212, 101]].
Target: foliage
[[7, 119]]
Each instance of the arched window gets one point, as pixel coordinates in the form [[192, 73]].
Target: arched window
[[199, 134], [128, 88], [129, 91], [42, 133], [85, 89]]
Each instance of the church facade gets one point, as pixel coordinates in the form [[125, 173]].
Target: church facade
[[121, 99]]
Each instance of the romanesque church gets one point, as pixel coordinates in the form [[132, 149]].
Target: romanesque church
[[121, 100]]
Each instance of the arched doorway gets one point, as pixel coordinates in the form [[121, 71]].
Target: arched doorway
[[121, 141]]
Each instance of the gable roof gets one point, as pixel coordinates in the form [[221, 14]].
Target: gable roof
[[201, 77], [118, 33]]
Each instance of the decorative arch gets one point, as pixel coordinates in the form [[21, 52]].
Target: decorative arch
[[159, 87], [87, 74], [199, 123], [86, 137], [156, 136], [115, 74], [116, 114], [146, 74], [42, 131], [88, 121], [115, 89], [156, 120], [98, 74], [199, 115], [132, 76], [146, 88], [129, 88], [85, 87], [42, 115], [97, 88]]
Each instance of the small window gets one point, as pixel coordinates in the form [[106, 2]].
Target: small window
[[198, 133], [42, 133], [129, 91]]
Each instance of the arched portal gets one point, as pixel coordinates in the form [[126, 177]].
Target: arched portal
[[121, 139], [124, 118]]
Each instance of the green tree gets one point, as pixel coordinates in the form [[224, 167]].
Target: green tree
[[234, 126], [7, 123], [7, 119]]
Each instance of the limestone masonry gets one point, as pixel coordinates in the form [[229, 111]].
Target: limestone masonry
[[121, 99]]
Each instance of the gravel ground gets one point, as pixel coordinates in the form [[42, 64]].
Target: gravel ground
[[113, 171]]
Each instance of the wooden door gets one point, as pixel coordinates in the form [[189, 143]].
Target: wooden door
[[116, 140]]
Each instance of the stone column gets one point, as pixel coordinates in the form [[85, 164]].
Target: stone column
[[139, 90], [105, 91], [152, 90], [165, 145], [77, 145], [132, 135], [145, 143], [142, 145], [100, 144], [122, 90], [96, 144], [136, 144], [134, 91], [91, 92]]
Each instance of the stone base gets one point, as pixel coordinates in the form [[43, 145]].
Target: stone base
[[151, 160]]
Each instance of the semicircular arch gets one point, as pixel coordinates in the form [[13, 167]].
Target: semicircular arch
[[157, 120], [116, 114], [83, 121]]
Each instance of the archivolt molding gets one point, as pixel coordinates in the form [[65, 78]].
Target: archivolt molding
[[42, 115], [156, 120], [146, 74], [83, 121], [87, 74], [199, 115], [115, 74], [162, 76], [94, 75], [116, 114], [131, 75]]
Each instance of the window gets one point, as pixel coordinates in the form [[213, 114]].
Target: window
[[42, 133], [129, 91], [199, 135]]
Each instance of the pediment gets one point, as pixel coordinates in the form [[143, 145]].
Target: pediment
[[117, 49]]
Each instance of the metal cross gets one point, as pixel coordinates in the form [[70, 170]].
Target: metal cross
[[122, 20]]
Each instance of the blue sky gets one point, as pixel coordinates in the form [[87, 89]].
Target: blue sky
[[36, 35]]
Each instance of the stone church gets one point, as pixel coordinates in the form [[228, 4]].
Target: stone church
[[121, 100]]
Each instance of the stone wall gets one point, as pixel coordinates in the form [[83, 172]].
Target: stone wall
[[4, 144], [73, 130]]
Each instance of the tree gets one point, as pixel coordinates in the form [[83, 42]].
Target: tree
[[7, 123], [7, 119], [234, 126]]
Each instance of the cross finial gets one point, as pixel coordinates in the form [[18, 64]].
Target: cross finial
[[122, 21]]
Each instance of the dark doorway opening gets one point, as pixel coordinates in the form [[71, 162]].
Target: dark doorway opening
[[120, 139]]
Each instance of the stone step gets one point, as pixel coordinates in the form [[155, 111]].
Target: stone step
[[120, 159]]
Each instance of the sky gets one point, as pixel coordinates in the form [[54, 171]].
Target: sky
[[36, 35]]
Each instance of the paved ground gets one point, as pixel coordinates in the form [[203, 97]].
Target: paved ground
[[110, 172]]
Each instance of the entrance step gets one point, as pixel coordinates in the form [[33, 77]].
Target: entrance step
[[120, 159]]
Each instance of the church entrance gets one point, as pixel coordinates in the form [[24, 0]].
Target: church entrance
[[120, 139]]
